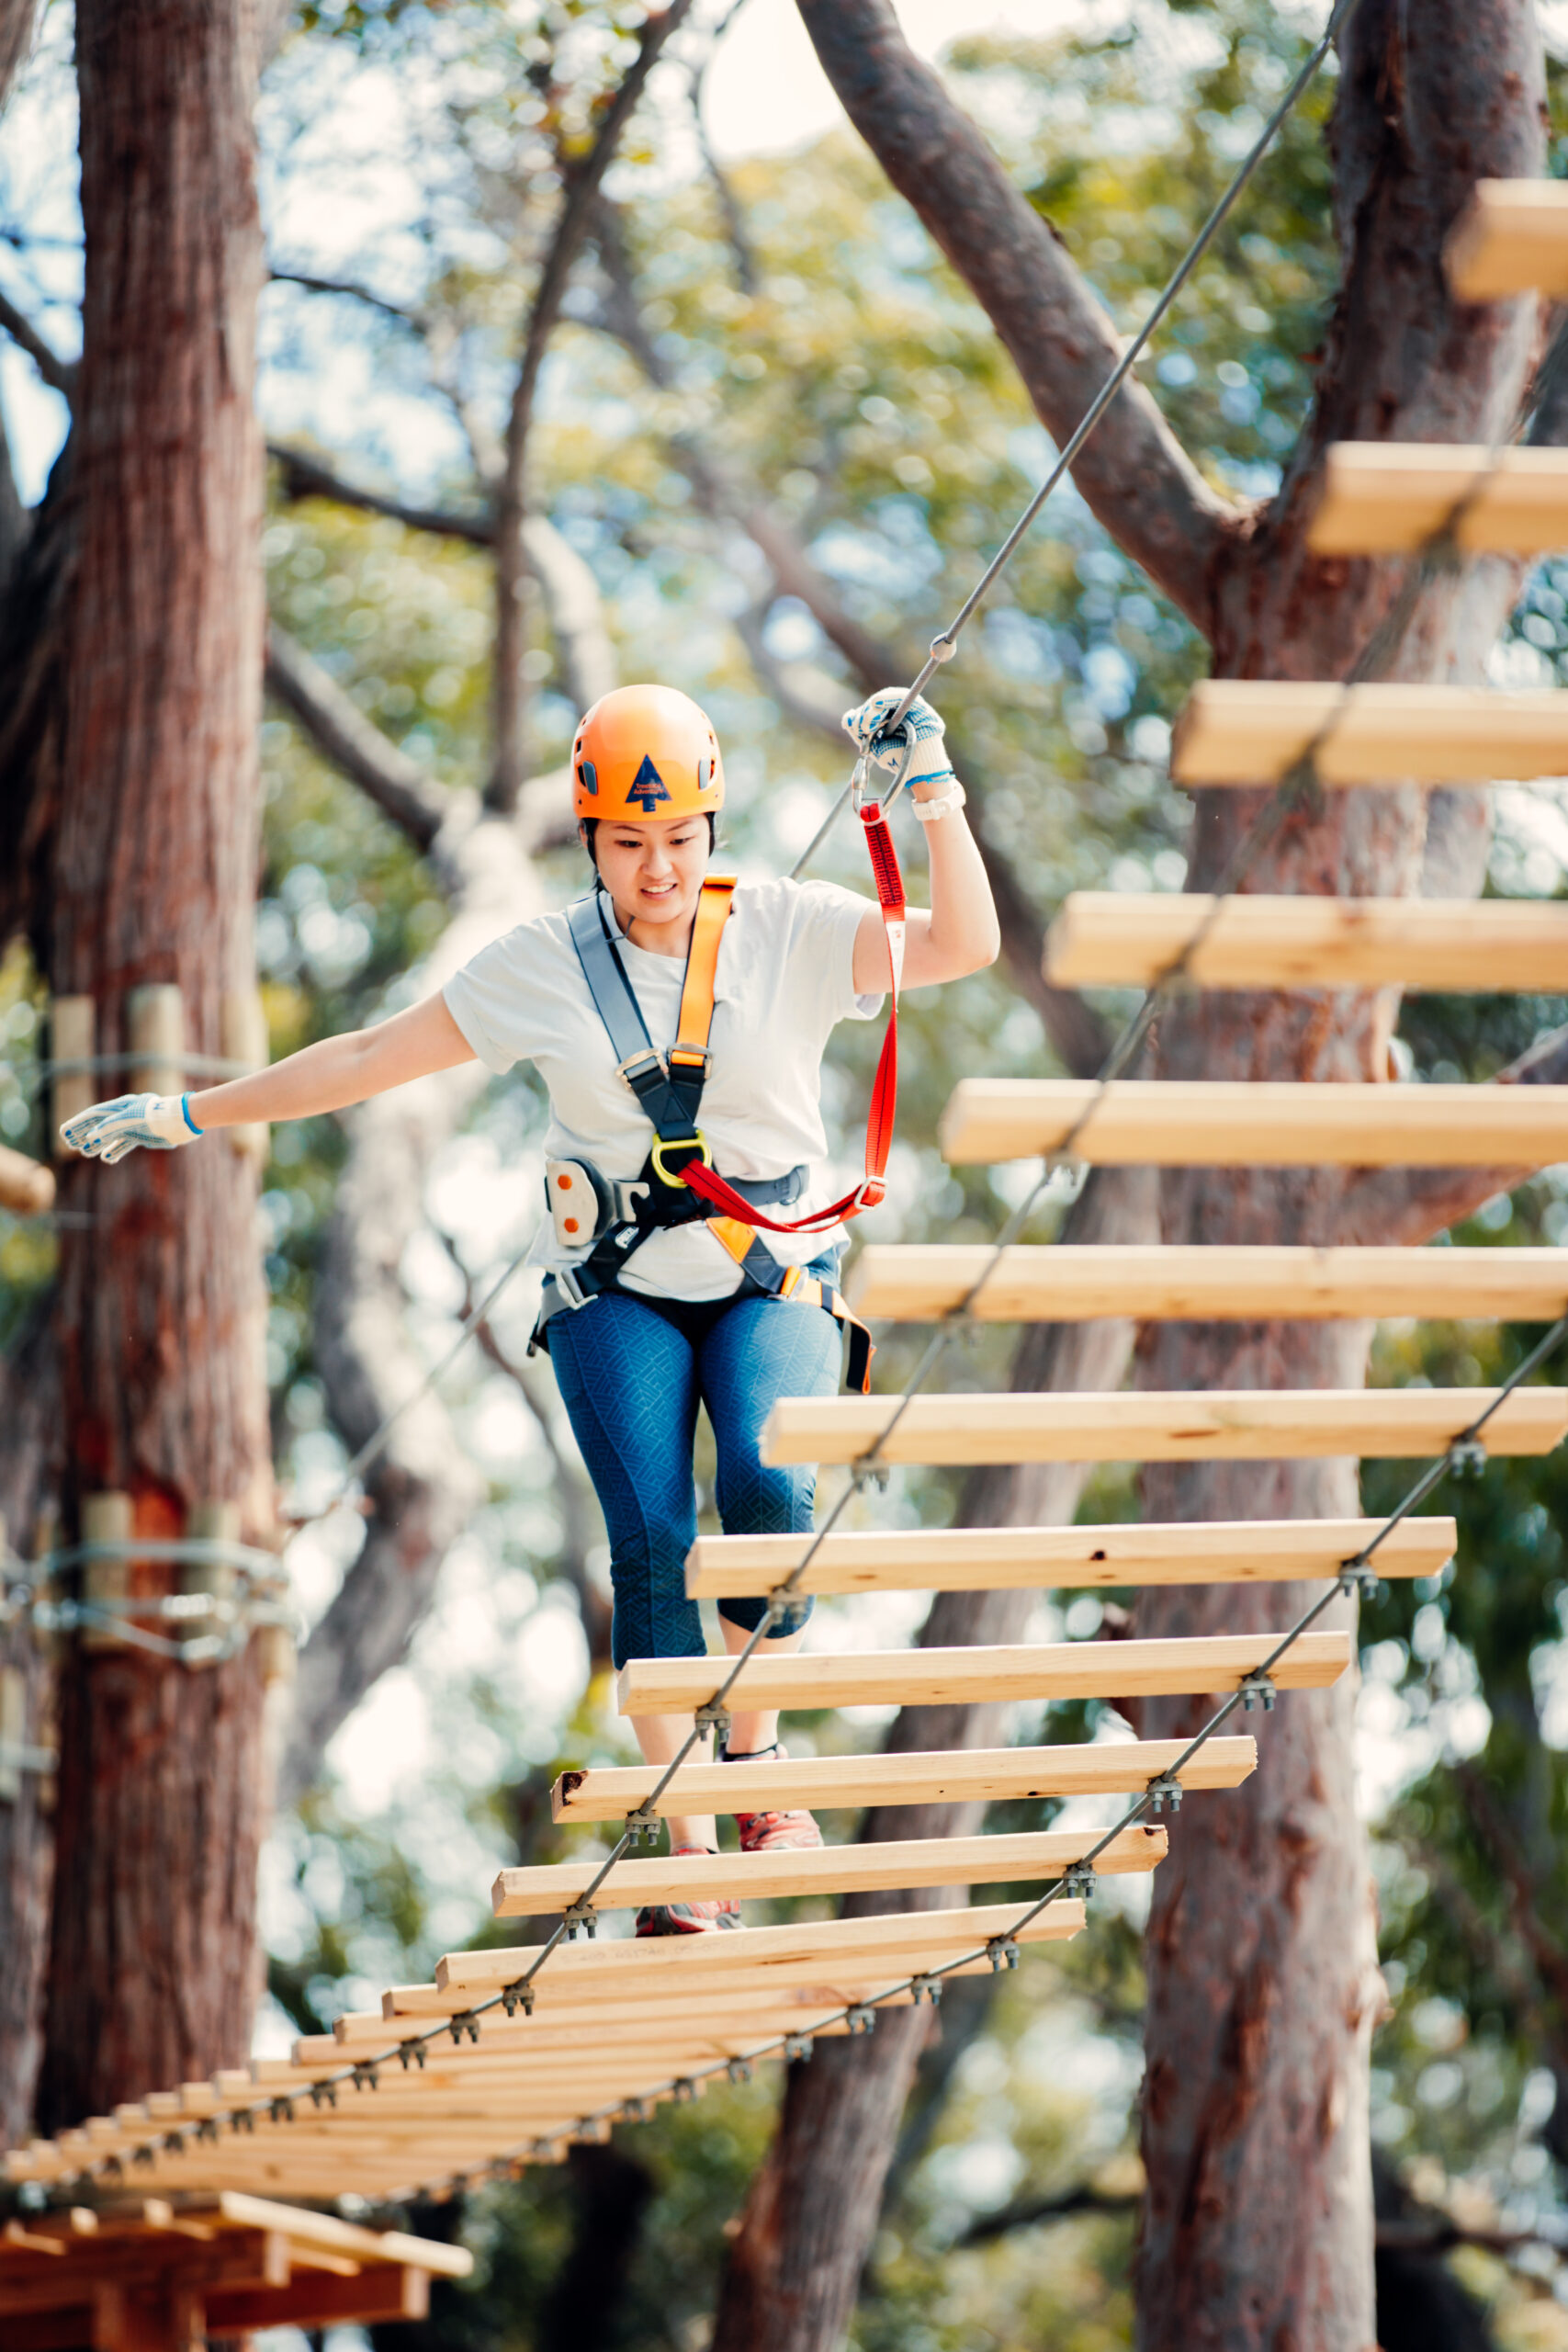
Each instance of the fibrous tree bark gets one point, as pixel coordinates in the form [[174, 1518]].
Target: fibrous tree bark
[[1261, 1954], [150, 881]]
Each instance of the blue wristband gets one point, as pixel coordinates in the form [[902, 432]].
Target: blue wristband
[[184, 1106]]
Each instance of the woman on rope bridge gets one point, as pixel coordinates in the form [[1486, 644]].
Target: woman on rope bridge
[[668, 994]]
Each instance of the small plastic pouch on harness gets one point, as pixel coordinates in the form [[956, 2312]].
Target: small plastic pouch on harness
[[582, 1206]]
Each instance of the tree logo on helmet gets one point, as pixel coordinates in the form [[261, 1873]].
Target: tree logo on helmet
[[649, 786]]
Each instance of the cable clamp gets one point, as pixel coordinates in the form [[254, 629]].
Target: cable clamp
[[1077, 1882], [412, 2050], [1255, 1687], [739, 2070], [1359, 1580], [1163, 1789], [1467, 1458], [860, 2019], [145, 2156], [714, 1716], [864, 1473], [281, 2110], [642, 1823], [925, 1988], [514, 1997], [798, 2047], [367, 2077], [583, 1914], [323, 2093], [635, 2111], [174, 2143], [207, 2129], [1002, 1952], [242, 2118], [684, 2090], [464, 2022], [786, 1609]]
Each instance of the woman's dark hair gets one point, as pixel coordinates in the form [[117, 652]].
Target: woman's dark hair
[[590, 826]]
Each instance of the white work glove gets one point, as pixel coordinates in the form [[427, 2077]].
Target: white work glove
[[922, 727], [108, 1131]]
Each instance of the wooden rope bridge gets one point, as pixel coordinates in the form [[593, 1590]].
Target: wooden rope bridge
[[475, 2071]]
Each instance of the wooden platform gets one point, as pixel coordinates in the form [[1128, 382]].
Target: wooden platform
[[1226, 1123], [1215, 1425], [145, 2275], [1253, 731], [1511, 238], [1389, 497], [938, 1677], [826, 1870], [923, 1281], [827, 1782], [1111, 939], [990, 1559]]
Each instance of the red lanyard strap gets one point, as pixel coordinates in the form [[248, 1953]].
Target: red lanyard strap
[[710, 1186]]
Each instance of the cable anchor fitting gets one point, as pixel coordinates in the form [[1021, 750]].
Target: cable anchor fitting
[[684, 2090], [798, 2047], [874, 1475], [583, 1914], [641, 1824], [1077, 1882], [714, 1716], [144, 2155], [1163, 1789], [1002, 1952], [1255, 1688], [464, 2022], [1467, 1458], [323, 2093], [367, 2077], [514, 1997], [412, 2051], [241, 2119], [925, 1988], [860, 2019], [281, 2110], [786, 1609], [739, 2070], [635, 2111], [1358, 1580]]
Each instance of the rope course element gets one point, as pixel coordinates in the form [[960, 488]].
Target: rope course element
[[1356, 1576], [232, 1618]]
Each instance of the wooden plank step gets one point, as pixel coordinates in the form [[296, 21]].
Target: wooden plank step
[[1127, 939], [1209, 1425], [423, 2006], [827, 1870], [1389, 497], [881, 1943], [1511, 238], [923, 1280], [563, 2010], [1233, 1123], [1095, 1768], [1253, 731], [935, 1678], [992, 1559]]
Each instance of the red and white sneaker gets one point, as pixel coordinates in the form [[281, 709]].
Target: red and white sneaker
[[689, 1918], [773, 1833]]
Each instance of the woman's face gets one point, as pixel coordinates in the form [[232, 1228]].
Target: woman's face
[[654, 873]]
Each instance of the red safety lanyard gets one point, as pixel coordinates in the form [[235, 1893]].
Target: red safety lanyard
[[711, 1187]]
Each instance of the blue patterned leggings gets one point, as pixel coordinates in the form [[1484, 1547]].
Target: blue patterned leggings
[[631, 1374]]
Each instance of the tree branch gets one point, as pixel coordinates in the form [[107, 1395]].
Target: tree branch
[[348, 286], [401, 789], [61, 374], [307, 477], [1410, 1204], [1134, 472], [729, 203], [17, 19], [582, 183]]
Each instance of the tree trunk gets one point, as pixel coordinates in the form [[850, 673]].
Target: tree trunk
[[153, 1973], [813, 2209], [1263, 1985]]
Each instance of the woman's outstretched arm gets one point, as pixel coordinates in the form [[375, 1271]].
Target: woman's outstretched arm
[[325, 1077], [961, 933]]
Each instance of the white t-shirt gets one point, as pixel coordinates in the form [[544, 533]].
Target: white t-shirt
[[785, 976]]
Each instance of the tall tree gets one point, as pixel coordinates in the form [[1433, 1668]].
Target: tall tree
[[1261, 1956], [149, 879]]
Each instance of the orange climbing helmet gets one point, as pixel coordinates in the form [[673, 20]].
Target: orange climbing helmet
[[644, 754]]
